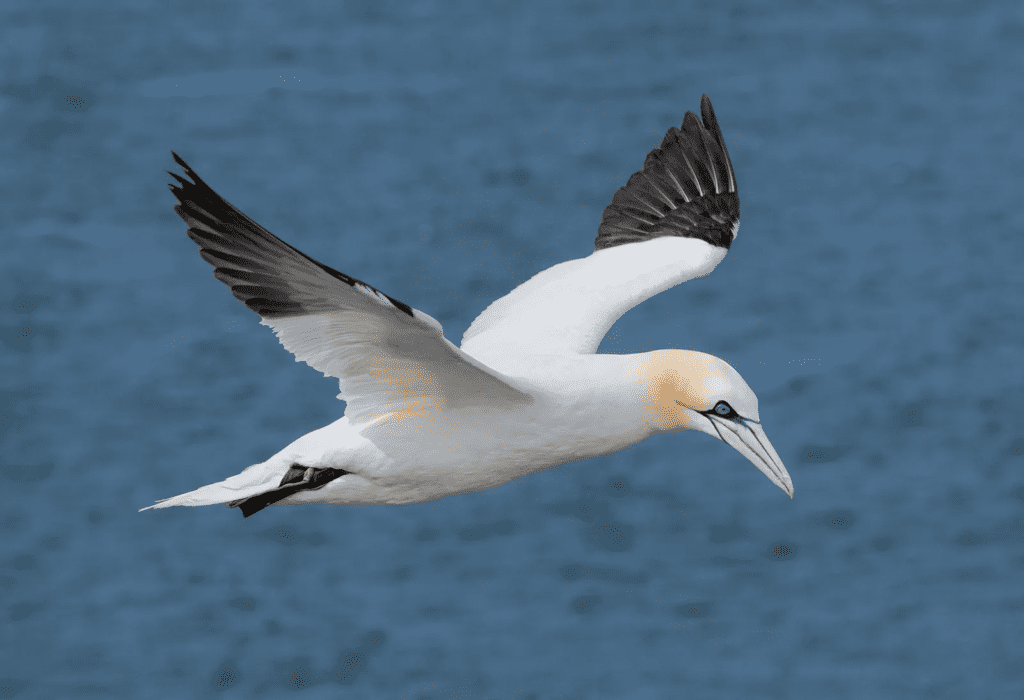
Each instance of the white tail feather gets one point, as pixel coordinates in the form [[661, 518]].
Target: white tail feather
[[248, 483]]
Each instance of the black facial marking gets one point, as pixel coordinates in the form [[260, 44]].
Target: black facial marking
[[722, 410]]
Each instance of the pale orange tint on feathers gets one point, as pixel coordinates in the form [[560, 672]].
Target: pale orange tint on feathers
[[665, 377]]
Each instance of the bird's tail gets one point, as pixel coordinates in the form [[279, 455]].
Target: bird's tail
[[250, 482], [250, 491]]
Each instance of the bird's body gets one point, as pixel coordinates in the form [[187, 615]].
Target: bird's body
[[526, 391]]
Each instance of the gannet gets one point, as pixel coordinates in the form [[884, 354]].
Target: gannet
[[526, 391]]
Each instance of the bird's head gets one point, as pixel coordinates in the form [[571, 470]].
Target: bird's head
[[687, 390]]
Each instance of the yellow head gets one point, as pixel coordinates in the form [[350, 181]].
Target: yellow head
[[687, 390]]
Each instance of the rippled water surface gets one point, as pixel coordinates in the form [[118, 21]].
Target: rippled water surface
[[445, 152]]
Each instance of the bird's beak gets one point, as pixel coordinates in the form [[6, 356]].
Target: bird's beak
[[750, 441]]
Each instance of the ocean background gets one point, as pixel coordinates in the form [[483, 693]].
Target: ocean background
[[444, 152]]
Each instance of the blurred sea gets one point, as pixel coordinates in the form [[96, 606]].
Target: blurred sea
[[446, 152]]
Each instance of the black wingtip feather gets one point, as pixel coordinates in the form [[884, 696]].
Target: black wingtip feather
[[692, 169], [232, 242]]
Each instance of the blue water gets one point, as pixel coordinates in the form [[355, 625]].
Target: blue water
[[445, 152]]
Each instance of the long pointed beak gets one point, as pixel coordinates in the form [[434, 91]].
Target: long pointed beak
[[750, 441]]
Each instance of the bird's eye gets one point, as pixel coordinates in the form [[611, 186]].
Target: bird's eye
[[722, 408]]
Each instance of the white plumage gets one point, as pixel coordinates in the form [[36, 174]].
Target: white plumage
[[426, 419]]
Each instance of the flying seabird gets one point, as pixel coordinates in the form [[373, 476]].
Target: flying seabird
[[425, 419]]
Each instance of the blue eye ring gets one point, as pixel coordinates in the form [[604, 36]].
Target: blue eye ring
[[724, 411]]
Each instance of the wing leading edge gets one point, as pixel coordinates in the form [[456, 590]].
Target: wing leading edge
[[386, 355]]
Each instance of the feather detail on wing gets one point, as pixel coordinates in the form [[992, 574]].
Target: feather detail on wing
[[386, 355], [687, 188], [672, 221]]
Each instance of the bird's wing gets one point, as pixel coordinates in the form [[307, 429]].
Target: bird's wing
[[672, 221], [386, 355]]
